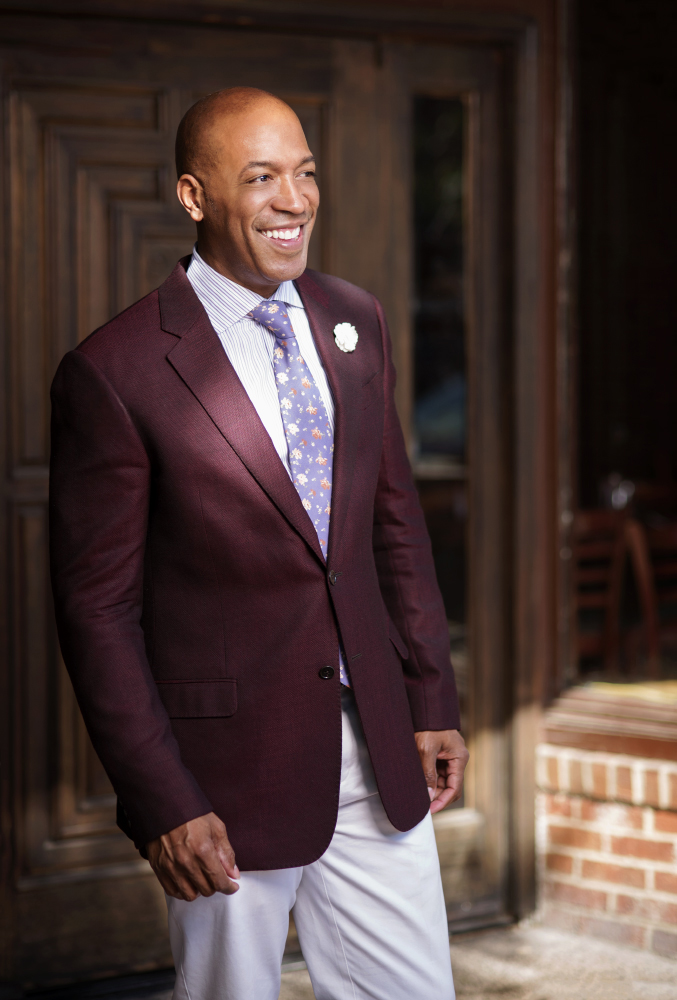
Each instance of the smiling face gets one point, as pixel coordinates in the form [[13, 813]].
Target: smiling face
[[252, 193]]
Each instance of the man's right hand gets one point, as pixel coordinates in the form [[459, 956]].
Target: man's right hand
[[195, 859]]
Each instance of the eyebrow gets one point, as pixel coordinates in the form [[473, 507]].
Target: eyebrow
[[269, 163]]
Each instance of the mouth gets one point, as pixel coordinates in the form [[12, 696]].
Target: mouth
[[288, 239]]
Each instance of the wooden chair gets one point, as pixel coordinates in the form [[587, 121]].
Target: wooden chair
[[653, 555], [598, 553], [651, 499]]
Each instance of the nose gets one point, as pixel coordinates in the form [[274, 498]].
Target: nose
[[288, 198]]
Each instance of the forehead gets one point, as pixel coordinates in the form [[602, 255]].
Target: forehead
[[271, 133]]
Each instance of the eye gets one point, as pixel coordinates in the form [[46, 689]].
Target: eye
[[307, 173], [261, 177]]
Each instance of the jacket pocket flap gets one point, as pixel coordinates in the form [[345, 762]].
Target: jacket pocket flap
[[397, 640], [199, 699]]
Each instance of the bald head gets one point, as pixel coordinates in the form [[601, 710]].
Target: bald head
[[204, 127]]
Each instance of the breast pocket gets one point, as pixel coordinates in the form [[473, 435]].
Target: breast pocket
[[209, 699]]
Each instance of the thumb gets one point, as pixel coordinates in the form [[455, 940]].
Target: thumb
[[225, 851], [428, 746], [227, 857]]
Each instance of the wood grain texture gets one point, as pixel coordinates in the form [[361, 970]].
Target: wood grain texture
[[478, 78], [533, 477], [91, 927], [94, 224]]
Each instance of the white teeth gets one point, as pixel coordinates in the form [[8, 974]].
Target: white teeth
[[282, 234]]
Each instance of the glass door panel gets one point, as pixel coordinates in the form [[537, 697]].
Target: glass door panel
[[439, 432], [440, 382], [456, 266]]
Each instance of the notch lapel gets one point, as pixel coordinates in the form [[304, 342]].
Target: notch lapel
[[201, 362], [345, 389]]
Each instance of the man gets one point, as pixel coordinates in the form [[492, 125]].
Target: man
[[246, 597]]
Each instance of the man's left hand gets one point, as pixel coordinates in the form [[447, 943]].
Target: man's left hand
[[444, 756]]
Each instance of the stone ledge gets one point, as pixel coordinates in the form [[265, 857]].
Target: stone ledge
[[637, 720]]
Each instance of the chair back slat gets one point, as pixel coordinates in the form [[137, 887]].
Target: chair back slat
[[591, 574], [601, 541], [598, 553]]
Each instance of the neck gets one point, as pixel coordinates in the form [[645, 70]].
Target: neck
[[258, 285]]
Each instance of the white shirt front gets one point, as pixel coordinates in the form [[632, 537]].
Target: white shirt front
[[249, 345]]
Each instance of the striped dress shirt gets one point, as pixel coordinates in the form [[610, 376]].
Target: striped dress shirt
[[249, 346]]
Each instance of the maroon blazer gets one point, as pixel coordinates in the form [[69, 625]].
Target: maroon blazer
[[194, 607]]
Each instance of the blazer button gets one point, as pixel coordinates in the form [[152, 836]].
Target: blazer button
[[333, 577], [326, 673]]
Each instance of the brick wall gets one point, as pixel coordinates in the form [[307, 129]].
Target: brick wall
[[607, 842]]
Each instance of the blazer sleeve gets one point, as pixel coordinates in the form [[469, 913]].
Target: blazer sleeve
[[406, 572], [99, 497]]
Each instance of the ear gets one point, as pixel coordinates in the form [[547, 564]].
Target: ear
[[190, 194]]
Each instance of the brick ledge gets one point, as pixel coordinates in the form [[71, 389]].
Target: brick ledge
[[589, 719]]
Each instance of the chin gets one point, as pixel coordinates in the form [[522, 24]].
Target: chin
[[286, 270]]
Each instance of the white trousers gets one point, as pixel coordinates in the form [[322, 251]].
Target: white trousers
[[370, 913]]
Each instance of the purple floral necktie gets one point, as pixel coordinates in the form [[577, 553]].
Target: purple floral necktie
[[310, 438]]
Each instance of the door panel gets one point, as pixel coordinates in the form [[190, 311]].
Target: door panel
[[466, 503], [93, 224]]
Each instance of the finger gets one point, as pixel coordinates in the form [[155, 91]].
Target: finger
[[429, 763], [190, 884], [219, 857], [227, 858], [442, 766], [220, 879], [172, 887], [427, 751], [443, 799], [187, 870], [221, 882], [194, 871], [454, 776], [185, 892], [449, 783], [212, 871], [208, 879]]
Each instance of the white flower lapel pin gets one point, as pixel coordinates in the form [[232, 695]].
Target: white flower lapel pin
[[345, 335]]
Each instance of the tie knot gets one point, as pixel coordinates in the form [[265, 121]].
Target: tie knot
[[274, 316]]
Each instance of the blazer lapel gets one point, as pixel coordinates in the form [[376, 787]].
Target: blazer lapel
[[346, 391], [201, 362]]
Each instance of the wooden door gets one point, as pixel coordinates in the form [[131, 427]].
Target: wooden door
[[92, 224], [443, 162], [467, 501]]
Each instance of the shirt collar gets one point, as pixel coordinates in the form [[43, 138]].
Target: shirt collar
[[225, 301]]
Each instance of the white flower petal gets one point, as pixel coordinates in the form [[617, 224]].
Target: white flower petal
[[346, 337]]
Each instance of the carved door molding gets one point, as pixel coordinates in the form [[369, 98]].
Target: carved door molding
[[93, 224]]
